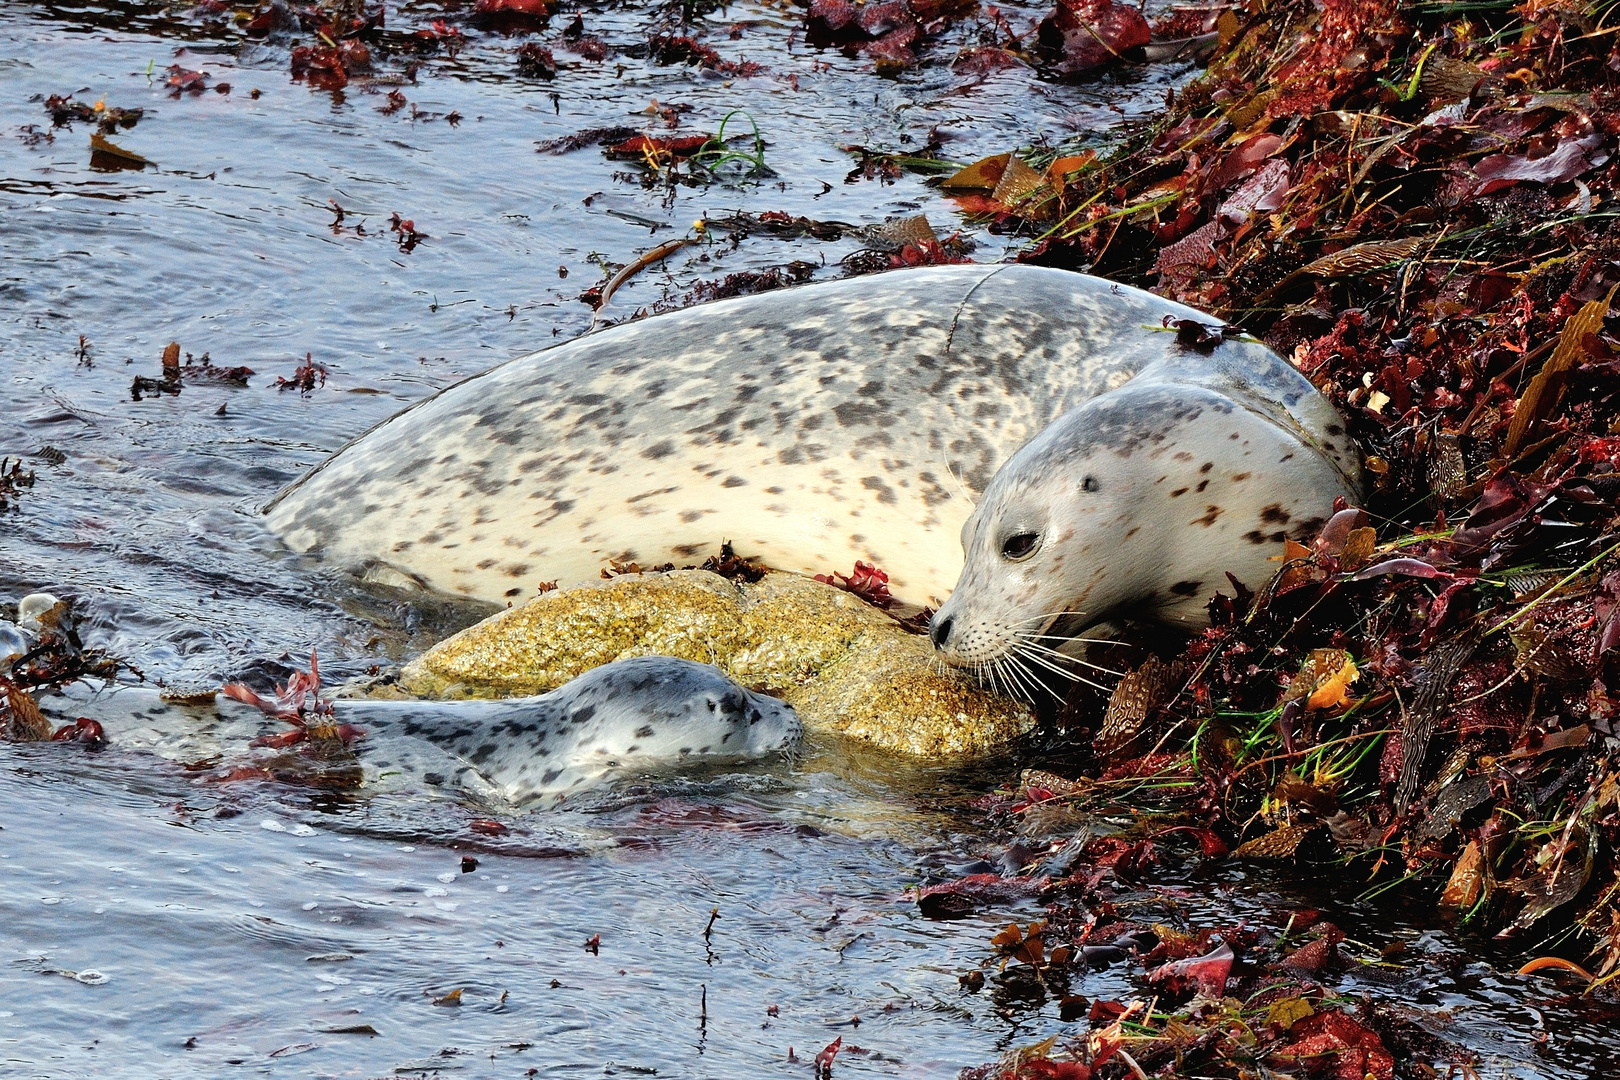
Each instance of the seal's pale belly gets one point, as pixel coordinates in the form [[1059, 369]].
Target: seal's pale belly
[[814, 427]]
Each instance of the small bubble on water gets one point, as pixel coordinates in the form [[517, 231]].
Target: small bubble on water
[[503, 888], [407, 847], [446, 877], [272, 825], [303, 830], [434, 890], [311, 906], [50, 899], [91, 978]]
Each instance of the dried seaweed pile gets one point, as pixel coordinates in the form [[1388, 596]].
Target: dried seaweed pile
[[1416, 202]]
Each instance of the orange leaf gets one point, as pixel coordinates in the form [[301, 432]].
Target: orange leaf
[[1063, 166], [982, 175], [1336, 690]]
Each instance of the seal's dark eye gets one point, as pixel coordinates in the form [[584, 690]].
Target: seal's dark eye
[[1089, 484], [1019, 545]]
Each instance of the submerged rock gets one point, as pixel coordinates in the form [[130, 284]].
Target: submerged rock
[[845, 667]]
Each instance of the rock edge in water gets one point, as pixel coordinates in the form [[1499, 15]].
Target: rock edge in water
[[845, 667]]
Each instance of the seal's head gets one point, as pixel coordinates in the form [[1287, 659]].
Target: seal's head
[[1136, 503], [661, 708]]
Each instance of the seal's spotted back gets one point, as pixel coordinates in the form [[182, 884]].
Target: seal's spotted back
[[853, 420]]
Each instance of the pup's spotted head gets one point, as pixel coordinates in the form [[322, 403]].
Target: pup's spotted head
[[659, 707]]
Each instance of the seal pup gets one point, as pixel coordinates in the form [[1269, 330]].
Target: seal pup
[[812, 427], [630, 717], [642, 714], [1138, 503]]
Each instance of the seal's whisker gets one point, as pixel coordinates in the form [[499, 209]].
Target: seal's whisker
[[1045, 662], [1055, 615], [1018, 665], [1036, 646], [945, 460], [1083, 640], [1011, 679], [1008, 687], [1071, 675], [998, 680]]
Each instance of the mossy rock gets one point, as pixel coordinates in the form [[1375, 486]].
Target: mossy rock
[[844, 666]]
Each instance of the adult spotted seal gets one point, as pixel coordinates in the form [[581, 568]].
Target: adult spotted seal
[[853, 420], [1139, 502], [634, 716]]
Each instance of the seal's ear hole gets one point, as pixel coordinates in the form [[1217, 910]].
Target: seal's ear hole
[[1020, 546], [1089, 484]]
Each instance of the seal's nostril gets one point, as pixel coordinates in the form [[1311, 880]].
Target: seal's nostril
[[940, 633]]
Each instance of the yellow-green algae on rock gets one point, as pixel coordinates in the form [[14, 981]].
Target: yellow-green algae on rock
[[843, 666]]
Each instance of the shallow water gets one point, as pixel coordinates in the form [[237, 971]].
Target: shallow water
[[215, 914]]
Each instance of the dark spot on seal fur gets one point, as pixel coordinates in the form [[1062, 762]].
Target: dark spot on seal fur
[[1208, 465], [1176, 494], [1274, 515], [659, 450], [1186, 588], [1210, 514], [733, 481], [1238, 478], [876, 483], [645, 731], [652, 494], [855, 413]]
